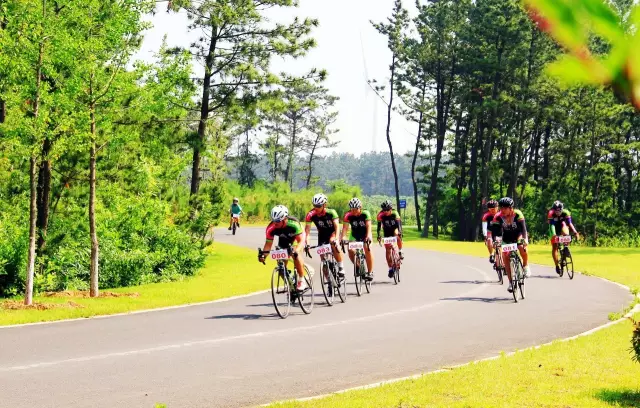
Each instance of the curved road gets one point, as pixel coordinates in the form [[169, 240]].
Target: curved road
[[446, 310]]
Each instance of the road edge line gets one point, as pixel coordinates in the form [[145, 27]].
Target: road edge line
[[134, 312]]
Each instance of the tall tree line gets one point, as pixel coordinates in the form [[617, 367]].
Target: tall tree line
[[491, 123], [110, 168]]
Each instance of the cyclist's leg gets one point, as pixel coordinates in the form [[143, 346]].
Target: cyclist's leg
[[506, 262], [369, 257], [336, 251], [298, 260], [399, 240]]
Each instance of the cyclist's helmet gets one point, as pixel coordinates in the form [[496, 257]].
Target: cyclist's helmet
[[235, 199], [279, 213], [492, 204], [319, 200], [386, 205], [506, 202], [557, 205], [355, 203]]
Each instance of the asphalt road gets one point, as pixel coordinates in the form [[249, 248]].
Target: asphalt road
[[446, 310]]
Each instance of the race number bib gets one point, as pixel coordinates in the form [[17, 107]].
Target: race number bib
[[279, 255], [509, 247], [324, 249], [564, 239], [389, 241], [356, 245]]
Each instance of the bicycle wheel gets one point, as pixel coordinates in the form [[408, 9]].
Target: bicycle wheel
[[363, 271], [234, 228], [396, 266], [327, 288], [521, 277], [567, 264], [280, 293], [357, 276], [514, 279], [341, 284], [498, 268], [306, 297]]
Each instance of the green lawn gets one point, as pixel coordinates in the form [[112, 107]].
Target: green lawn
[[229, 271], [592, 371]]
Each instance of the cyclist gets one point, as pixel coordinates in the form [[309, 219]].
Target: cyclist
[[389, 221], [290, 234], [327, 222], [509, 224], [235, 210], [359, 221], [492, 210], [559, 219]]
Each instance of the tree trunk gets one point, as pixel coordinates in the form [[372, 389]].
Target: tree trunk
[[389, 110], [545, 157], [413, 171], [95, 247], [33, 211], [3, 111], [311, 156], [33, 164], [44, 196], [461, 148], [204, 113], [473, 184]]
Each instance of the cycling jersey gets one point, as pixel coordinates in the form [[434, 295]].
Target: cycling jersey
[[235, 209], [358, 224], [324, 223], [512, 231], [287, 234], [389, 223], [556, 221], [486, 220]]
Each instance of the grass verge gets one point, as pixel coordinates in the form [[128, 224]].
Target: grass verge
[[229, 271], [591, 371]]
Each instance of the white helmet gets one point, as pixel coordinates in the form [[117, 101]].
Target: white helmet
[[355, 203], [279, 213], [319, 199]]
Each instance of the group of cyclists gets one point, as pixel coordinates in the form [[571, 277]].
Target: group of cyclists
[[356, 227], [503, 222]]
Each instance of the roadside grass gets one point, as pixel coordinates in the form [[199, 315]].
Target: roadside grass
[[591, 371], [617, 264], [229, 271]]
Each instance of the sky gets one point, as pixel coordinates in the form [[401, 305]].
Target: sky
[[348, 47]]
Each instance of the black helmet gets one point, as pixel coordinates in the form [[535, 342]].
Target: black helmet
[[492, 204], [557, 205], [386, 205], [505, 202]]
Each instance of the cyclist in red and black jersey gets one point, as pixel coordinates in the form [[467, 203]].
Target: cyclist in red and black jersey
[[328, 224], [492, 210], [509, 224], [290, 234], [559, 219], [359, 221], [391, 224]]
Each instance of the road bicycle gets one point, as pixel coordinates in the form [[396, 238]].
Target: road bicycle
[[396, 262], [359, 265], [566, 260], [517, 270], [284, 283], [331, 282], [235, 223], [498, 264]]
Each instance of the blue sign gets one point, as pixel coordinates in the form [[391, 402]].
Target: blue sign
[[403, 204]]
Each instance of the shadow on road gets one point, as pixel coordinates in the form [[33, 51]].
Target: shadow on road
[[480, 299], [473, 282], [544, 277], [246, 316], [620, 398]]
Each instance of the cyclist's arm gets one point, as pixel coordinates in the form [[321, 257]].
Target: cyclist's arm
[[369, 232], [523, 228], [307, 227], [267, 245], [300, 239], [484, 228], [570, 222], [345, 230], [240, 208], [495, 229], [379, 226], [336, 224], [399, 221]]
